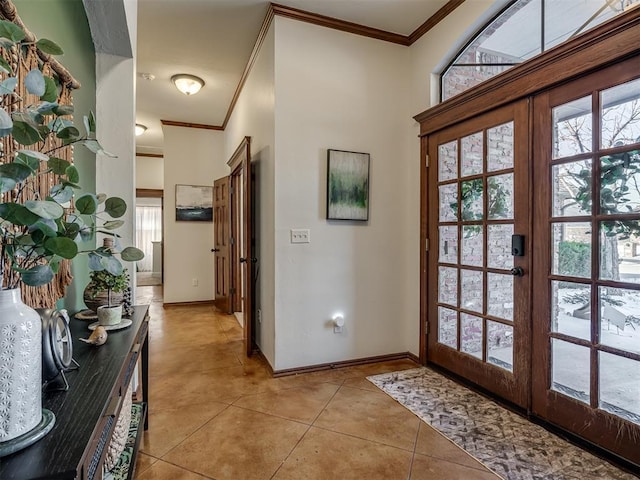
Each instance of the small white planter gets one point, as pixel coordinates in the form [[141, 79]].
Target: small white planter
[[20, 365], [109, 315]]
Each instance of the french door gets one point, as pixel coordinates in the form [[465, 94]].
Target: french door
[[479, 290], [533, 267], [586, 300]]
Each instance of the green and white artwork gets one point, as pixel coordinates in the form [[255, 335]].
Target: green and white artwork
[[347, 185]]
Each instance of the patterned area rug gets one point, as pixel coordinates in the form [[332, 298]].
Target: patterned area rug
[[508, 444]]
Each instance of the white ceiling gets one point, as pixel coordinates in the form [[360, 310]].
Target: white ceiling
[[213, 40]]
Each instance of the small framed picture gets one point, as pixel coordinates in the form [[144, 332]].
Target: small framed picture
[[347, 185], [194, 203]]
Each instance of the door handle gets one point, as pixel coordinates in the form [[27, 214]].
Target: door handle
[[517, 271], [215, 249], [243, 260]]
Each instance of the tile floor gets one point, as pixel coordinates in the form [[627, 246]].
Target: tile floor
[[215, 414]]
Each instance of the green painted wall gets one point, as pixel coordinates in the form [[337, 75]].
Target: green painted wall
[[65, 22]]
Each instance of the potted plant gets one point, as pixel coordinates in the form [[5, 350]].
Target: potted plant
[[39, 230], [104, 295]]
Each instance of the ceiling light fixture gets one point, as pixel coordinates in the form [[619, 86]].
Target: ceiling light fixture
[[187, 84], [140, 129]]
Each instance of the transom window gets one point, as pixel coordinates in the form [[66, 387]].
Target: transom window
[[521, 31]]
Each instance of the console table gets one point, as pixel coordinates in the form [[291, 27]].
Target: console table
[[86, 414]]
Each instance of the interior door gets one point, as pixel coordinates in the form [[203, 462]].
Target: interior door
[[477, 291], [221, 242], [243, 260], [586, 372]]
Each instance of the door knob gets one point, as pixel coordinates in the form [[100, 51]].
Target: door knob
[[517, 271], [243, 260], [215, 249]]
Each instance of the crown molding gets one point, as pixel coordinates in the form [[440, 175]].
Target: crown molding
[[266, 23], [173, 123], [433, 20], [337, 24], [328, 22]]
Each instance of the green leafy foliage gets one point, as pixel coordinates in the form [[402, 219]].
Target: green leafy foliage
[[37, 233], [48, 46], [574, 259]]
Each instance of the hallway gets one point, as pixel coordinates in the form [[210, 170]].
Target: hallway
[[215, 414]]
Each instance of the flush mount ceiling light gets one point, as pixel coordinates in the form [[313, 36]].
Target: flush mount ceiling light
[[187, 84], [140, 129]]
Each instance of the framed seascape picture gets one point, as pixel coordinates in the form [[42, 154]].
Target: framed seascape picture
[[347, 185], [194, 203]]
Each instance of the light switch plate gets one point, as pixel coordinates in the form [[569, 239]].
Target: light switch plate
[[300, 235]]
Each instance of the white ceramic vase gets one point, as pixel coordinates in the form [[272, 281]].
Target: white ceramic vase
[[20, 366], [109, 315]]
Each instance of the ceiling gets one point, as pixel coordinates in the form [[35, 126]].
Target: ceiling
[[213, 39]]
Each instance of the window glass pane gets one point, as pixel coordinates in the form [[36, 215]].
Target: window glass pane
[[500, 197], [571, 309], [471, 335], [566, 19], [472, 245], [471, 290], [448, 161], [620, 182], [500, 147], [572, 128], [471, 155], [448, 244], [619, 249], [571, 249], [448, 327], [460, 79], [472, 199], [570, 369], [620, 318], [572, 189], [448, 202], [620, 115], [500, 293], [499, 246], [448, 285], [620, 386], [500, 345], [515, 35]]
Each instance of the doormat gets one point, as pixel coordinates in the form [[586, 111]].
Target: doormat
[[509, 445]]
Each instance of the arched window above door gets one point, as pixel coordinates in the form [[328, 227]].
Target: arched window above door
[[521, 31]]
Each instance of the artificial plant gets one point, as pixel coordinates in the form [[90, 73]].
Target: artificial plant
[[39, 230]]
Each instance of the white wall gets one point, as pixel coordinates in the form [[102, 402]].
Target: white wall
[[116, 107], [427, 56], [191, 157], [342, 91], [150, 173], [254, 116]]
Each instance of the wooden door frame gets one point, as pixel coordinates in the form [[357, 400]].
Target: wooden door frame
[[510, 385], [547, 402], [240, 164], [608, 43]]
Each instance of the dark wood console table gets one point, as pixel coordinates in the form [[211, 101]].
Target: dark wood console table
[[86, 414]]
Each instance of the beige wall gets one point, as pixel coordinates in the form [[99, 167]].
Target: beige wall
[[150, 173], [191, 157], [254, 116]]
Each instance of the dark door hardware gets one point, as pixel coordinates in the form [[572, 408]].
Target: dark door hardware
[[517, 271]]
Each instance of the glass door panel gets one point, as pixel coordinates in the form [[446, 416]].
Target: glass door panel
[[479, 306], [587, 280]]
